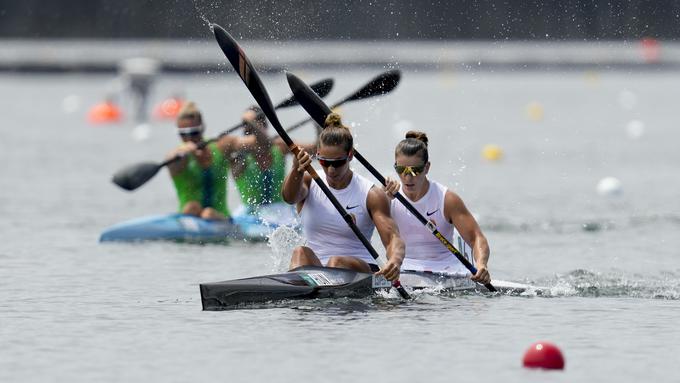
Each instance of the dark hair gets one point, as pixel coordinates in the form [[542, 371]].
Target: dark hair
[[336, 134], [415, 143], [259, 114]]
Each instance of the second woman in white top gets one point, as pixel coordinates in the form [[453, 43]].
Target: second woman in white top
[[437, 204], [330, 241]]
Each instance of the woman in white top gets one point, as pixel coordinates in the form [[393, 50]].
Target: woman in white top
[[439, 205], [330, 241]]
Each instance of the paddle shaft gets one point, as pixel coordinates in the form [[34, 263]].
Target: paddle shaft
[[382, 84], [318, 111], [251, 79], [226, 133], [320, 88], [430, 226], [308, 119]]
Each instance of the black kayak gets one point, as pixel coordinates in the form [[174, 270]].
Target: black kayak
[[305, 282], [308, 282]]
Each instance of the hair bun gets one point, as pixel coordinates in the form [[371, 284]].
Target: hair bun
[[420, 136], [333, 119]]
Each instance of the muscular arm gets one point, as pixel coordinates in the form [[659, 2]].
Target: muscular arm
[[296, 185], [458, 214], [379, 207]]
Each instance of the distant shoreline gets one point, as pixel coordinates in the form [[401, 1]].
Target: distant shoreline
[[186, 56]]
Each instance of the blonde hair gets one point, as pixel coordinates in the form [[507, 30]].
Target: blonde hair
[[415, 143], [335, 133], [189, 111]]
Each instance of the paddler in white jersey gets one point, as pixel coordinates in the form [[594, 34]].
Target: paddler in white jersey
[[424, 252], [330, 241]]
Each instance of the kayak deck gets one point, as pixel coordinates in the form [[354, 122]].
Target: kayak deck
[[306, 282], [309, 282]]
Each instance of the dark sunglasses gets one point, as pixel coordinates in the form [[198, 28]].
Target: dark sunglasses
[[190, 134], [404, 170], [332, 162]]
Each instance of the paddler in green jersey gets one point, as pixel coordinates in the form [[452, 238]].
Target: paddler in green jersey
[[259, 170], [200, 177]]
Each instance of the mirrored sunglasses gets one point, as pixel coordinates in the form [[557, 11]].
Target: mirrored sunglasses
[[405, 170]]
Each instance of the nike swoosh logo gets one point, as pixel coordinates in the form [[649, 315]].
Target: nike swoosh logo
[[429, 214], [350, 207]]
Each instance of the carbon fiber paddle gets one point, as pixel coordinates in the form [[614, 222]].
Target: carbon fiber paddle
[[251, 79], [134, 176], [319, 110]]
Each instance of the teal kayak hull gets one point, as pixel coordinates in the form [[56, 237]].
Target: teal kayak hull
[[245, 225]]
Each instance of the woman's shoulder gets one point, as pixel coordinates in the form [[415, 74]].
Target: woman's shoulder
[[439, 187], [364, 182]]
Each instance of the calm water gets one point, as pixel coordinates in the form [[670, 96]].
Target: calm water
[[74, 310]]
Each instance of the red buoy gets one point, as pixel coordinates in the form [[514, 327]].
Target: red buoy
[[168, 109], [651, 50], [543, 355], [106, 112]]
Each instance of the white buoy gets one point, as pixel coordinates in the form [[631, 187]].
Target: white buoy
[[627, 99], [70, 104], [609, 187], [635, 129], [141, 132]]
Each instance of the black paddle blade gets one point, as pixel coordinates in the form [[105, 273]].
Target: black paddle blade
[[380, 85], [247, 72], [311, 103], [132, 177], [321, 88]]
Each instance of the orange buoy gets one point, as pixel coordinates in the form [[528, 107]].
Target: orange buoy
[[168, 108], [543, 355], [106, 112]]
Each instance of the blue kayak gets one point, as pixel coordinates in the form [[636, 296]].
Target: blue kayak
[[247, 224]]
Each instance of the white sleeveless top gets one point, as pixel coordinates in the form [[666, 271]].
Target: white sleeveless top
[[326, 231], [424, 252]]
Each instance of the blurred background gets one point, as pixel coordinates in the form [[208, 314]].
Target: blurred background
[[556, 122], [92, 35]]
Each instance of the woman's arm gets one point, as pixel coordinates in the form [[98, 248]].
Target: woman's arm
[[458, 214], [296, 185], [176, 167], [379, 207]]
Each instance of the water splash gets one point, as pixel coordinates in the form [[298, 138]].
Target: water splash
[[203, 10], [282, 241], [584, 283]]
